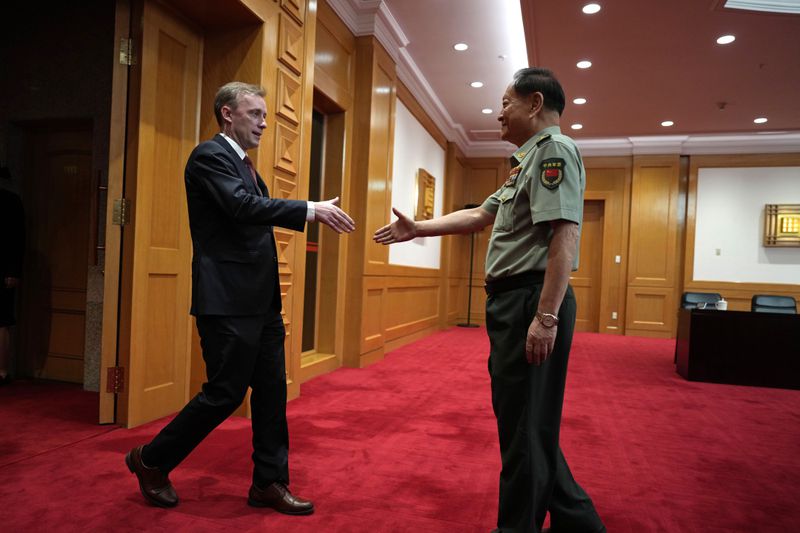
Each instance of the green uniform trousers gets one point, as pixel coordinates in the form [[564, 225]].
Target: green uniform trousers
[[527, 402]]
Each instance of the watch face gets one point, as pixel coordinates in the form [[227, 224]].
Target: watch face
[[548, 321]]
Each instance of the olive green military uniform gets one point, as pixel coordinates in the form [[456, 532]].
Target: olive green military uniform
[[546, 184]]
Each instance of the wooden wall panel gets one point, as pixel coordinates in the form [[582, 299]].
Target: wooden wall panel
[[651, 311], [609, 179], [410, 306], [229, 54], [380, 170], [300, 45], [334, 83], [334, 66], [653, 256], [369, 188], [372, 337], [289, 100], [454, 182], [483, 177], [654, 214]]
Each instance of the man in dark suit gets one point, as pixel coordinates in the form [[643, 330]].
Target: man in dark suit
[[236, 301]]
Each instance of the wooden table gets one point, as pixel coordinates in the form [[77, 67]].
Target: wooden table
[[739, 347]]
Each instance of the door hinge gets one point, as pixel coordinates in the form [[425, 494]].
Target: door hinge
[[116, 379], [127, 52], [120, 216]]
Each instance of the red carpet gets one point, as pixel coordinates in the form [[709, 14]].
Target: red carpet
[[37, 417], [409, 445]]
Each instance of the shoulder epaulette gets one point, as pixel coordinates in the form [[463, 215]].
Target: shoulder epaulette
[[541, 140]]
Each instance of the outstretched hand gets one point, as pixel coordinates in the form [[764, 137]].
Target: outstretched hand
[[401, 230], [329, 213]]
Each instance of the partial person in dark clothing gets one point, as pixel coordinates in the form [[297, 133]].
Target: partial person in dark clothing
[[12, 250]]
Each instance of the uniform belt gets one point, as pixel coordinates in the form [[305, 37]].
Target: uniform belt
[[516, 281]]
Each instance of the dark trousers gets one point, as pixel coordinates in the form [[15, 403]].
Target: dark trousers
[[240, 352], [527, 402]]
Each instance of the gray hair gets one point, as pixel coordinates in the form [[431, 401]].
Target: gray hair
[[229, 94]]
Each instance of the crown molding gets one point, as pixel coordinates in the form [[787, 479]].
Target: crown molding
[[762, 143], [790, 7], [357, 15], [692, 144]]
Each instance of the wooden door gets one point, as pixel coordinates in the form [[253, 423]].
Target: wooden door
[[57, 202], [586, 281], [155, 326]]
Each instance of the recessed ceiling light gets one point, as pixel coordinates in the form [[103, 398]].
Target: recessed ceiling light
[[760, 120], [667, 123], [460, 46], [476, 84], [591, 9], [579, 101], [576, 126], [584, 64], [486, 111], [726, 39]]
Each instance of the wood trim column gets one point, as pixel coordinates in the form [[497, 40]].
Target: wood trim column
[[370, 196]]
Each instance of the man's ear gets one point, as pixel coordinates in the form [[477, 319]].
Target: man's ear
[[536, 101], [226, 111]]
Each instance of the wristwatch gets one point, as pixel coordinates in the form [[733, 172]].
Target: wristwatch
[[546, 319]]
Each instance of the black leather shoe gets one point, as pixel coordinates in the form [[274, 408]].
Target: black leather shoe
[[155, 486], [278, 497]]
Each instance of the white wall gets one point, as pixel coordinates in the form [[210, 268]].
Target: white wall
[[730, 221], [414, 148]]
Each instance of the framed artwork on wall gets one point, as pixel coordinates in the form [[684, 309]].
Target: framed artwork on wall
[[426, 190], [782, 225]]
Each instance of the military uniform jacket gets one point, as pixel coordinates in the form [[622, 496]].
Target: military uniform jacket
[[546, 184]]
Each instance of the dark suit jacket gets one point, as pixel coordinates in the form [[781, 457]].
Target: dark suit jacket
[[235, 263], [12, 235]]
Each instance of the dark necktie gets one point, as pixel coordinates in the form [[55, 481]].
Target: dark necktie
[[250, 166]]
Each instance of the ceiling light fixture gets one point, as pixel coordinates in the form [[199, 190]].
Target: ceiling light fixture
[[486, 111], [584, 64], [726, 39], [577, 126], [579, 101], [667, 123], [591, 9], [476, 84], [460, 46], [760, 120]]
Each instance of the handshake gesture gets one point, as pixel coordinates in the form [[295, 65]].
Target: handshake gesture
[[330, 214], [401, 230]]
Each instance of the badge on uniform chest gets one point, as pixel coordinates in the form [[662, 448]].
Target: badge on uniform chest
[[551, 172], [512, 176]]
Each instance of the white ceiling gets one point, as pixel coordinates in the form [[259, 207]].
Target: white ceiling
[[653, 60]]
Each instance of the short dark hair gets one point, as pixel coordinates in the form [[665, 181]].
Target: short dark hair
[[229, 95], [535, 79]]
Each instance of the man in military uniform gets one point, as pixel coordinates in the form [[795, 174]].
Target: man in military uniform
[[530, 309]]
